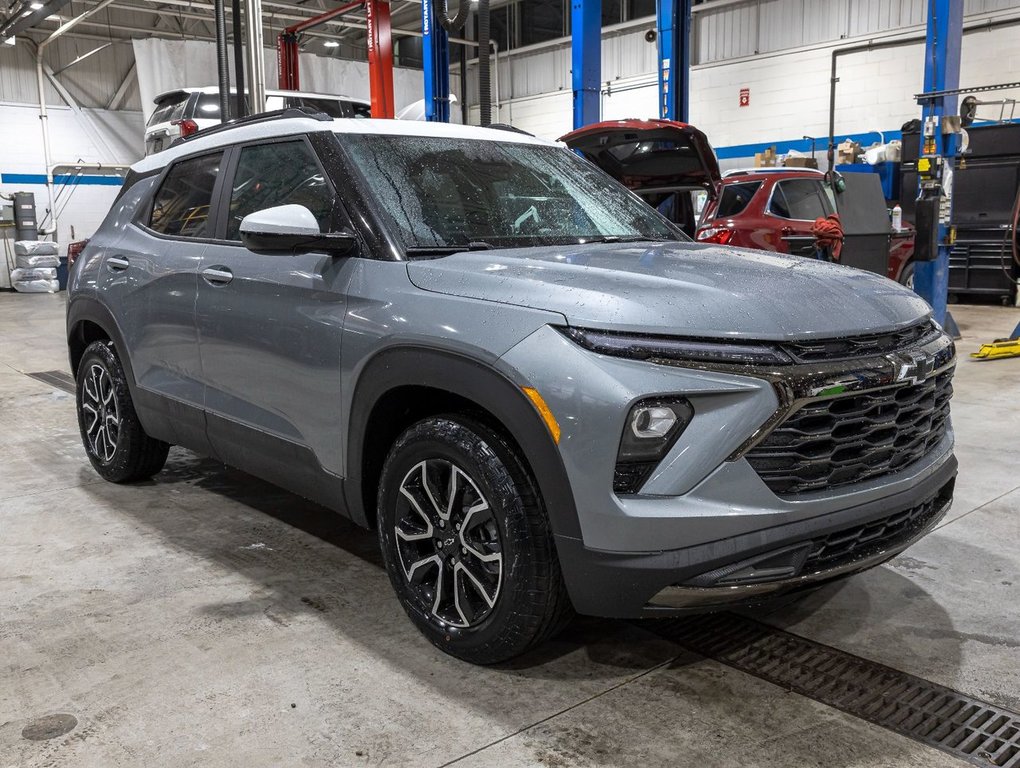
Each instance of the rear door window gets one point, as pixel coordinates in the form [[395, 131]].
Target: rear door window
[[735, 197], [281, 173], [181, 206], [800, 199]]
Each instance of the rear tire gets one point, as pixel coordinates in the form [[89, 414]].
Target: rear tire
[[117, 446], [467, 542]]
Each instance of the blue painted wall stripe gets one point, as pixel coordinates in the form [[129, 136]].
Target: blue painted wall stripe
[[40, 178]]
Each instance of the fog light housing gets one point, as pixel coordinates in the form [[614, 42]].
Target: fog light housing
[[651, 429]]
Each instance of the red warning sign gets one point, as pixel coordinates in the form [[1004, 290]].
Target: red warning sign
[[745, 97]]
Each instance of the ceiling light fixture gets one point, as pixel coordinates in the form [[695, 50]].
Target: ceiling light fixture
[[35, 6], [331, 44]]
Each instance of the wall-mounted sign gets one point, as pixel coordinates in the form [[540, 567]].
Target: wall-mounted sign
[[745, 97]]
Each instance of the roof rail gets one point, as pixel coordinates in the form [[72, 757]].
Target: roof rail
[[261, 117], [772, 169], [508, 127]]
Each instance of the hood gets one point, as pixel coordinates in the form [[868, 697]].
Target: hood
[[679, 288], [649, 154]]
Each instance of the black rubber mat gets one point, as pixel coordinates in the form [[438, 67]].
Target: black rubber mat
[[58, 379], [960, 725]]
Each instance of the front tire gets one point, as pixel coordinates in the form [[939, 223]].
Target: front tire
[[115, 442], [467, 542]]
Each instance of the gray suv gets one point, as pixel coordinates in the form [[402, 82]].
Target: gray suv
[[540, 393]]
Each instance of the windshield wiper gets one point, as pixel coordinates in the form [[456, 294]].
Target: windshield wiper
[[446, 250], [624, 239]]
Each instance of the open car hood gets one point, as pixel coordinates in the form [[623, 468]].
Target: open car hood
[[649, 154]]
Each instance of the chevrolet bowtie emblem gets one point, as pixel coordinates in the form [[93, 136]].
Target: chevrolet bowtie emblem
[[913, 367]]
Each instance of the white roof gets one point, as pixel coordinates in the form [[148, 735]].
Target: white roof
[[291, 126], [216, 89]]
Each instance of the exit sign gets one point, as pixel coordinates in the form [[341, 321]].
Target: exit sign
[[745, 97]]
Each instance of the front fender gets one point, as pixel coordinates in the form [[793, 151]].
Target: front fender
[[490, 389]]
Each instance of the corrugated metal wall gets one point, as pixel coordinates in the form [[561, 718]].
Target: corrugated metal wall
[[91, 82], [732, 30]]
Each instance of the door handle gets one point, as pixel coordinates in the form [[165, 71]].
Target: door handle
[[117, 263], [217, 275]]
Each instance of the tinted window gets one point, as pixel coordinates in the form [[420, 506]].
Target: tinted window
[[798, 199], [168, 108], [208, 107], [358, 109], [278, 174], [331, 107], [735, 197], [182, 203]]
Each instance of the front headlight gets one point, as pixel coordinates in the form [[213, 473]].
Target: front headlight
[[644, 347]]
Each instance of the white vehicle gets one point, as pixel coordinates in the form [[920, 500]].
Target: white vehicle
[[185, 111]]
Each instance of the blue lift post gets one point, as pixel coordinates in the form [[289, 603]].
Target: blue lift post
[[673, 18], [586, 60], [436, 60], [939, 148]]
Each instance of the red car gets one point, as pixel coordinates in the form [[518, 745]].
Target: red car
[[773, 209], [671, 165]]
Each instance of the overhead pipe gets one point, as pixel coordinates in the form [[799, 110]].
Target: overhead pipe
[[256, 57], [484, 72], [236, 26], [43, 115], [222, 68]]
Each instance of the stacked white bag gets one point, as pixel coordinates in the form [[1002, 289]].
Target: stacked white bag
[[36, 264]]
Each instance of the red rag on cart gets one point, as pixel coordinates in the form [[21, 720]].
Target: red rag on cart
[[828, 233]]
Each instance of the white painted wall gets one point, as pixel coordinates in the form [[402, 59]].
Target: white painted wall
[[83, 207]]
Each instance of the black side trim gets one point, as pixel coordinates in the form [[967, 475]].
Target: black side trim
[[474, 381], [282, 462]]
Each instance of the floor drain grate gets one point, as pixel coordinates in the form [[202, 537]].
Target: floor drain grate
[[58, 379], [964, 727]]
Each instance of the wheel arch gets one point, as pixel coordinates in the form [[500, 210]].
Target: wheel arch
[[88, 320], [402, 385]]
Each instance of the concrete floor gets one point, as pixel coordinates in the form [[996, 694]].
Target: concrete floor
[[206, 618]]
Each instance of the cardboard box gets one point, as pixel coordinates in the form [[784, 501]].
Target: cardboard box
[[766, 159], [800, 162], [847, 152]]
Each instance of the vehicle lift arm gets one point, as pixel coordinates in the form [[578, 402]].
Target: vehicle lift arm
[[673, 35], [939, 145], [380, 51]]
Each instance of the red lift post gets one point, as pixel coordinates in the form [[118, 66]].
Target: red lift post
[[380, 51]]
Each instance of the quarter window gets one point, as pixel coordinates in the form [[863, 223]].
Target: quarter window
[[799, 199], [181, 206], [285, 173], [735, 197]]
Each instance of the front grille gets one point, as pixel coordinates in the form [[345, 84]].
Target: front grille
[[862, 346], [844, 440], [862, 541]]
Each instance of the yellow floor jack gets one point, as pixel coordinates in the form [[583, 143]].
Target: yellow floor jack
[[1000, 348]]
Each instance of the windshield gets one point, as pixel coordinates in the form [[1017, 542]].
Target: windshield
[[447, 194]]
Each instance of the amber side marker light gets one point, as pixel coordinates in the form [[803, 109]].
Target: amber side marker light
[[544, 412]]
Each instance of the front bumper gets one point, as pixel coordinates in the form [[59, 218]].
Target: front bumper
[[705, 515], [750, 567]]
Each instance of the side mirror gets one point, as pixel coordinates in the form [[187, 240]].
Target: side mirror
[[288, 229]]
